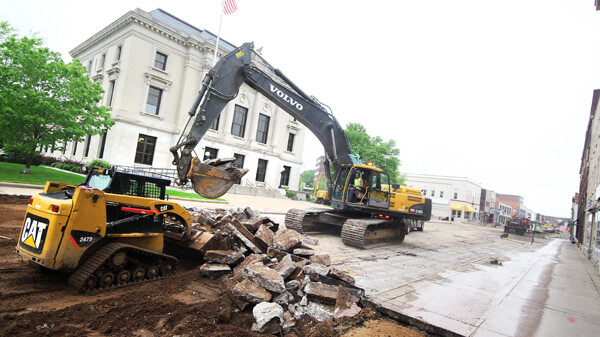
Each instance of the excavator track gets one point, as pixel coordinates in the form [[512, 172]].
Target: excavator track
[[362, 233], [294, 219], [303, 220], [118, 264]]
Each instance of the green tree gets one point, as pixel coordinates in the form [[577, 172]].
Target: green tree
[[44, 102], [307, 177], [382, 154]]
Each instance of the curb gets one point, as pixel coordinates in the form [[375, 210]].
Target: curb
[[20, 185], [41, 187]]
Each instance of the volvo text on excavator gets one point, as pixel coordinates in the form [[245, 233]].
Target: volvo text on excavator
[[378, 212]]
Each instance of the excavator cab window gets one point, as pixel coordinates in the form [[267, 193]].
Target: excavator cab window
[[379, 185], [341, 183]]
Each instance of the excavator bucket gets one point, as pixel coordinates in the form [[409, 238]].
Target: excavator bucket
[[213, 178]]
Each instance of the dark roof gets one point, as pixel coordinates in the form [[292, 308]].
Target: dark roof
[[181, 25]]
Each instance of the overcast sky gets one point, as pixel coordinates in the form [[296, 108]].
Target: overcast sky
[[495, 91]]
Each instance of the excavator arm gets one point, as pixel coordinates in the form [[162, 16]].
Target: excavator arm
[[219, 87]]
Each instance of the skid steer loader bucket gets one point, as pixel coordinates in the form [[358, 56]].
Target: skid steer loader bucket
[[213, 178]]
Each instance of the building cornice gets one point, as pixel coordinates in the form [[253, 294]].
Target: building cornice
[[145, 20]]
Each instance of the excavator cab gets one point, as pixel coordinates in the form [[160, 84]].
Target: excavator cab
[[374, 192]]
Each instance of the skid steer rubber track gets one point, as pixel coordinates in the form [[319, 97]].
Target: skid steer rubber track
[[366, 232], [118, 264]]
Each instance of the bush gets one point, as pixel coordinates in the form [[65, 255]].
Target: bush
[[288, 193], [99, 163], [16, 158]]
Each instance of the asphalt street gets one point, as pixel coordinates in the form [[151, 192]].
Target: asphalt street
[[457, 278]]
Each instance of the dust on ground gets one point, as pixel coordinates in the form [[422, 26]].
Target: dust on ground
[[35, 302]]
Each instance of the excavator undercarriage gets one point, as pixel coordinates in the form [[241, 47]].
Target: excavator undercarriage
[[356, 230]]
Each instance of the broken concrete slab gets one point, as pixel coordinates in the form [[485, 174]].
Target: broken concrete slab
[[266, 277], [316, 269], [283, 299], [212, 270], [264, 234], [252, 225], [237, 271], [303, 252], [235, 231], [323, 259], [287, 240], [250, 291], [340, 275], [230, 283], [288, 322], [319, 312], [292, 285], [268, 317], [276, 253], [252, 213], [345, 304], [354, 290], [286, 266], [321, 292], [229, 257]]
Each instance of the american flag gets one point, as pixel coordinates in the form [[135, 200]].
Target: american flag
[[229, 6]]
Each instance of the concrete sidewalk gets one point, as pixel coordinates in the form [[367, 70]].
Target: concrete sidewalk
[[274, 208], [552, 293]]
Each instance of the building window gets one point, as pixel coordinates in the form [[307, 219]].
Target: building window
[[160, 61], [433, 193], [239, 163], [238, 127], [424, 193], [153, 103], [102, 145], [215, 123], [145, 149], [74, 148], [239, 160], [110, 92], [285, 176], [210, 153], [261, 170], [441, 194], [89, 69], [263, 128], [455, 195], [290, 144], [102, 60], [87, 146], [119, 48]]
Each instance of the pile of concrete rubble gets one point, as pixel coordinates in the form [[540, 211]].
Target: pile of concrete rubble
[[272, 269]]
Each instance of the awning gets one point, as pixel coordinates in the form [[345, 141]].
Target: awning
[[469, 209], [456, 207]]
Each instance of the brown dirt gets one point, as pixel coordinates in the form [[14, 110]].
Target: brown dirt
[[39, 302]]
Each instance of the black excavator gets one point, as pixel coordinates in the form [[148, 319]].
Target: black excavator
[[379, 212]]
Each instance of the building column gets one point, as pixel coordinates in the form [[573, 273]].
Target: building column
[[592, 236]]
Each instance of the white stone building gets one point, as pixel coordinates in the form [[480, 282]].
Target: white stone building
[[151, 66], [455, 198]]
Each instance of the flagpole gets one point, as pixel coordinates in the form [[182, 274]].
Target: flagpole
[[218, 34]]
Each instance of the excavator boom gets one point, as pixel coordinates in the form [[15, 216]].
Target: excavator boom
[[219, 87]]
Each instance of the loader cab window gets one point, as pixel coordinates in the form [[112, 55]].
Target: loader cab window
[[99, 181]]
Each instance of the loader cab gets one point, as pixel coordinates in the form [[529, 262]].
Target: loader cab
[[119, 182], [374, 193]]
